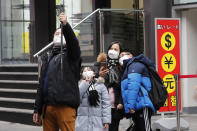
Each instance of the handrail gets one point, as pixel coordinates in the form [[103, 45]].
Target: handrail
[[86, 18], [129, 10], [51, 43], [43, 49]]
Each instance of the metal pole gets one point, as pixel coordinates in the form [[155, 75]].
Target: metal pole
[[122, 10], [176, 76], [12, 41], [24, 29], [61, 51], [162, 115], [43, 49], [102, 16], [86, 18], [101, 31]]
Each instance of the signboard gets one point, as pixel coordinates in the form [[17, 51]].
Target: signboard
[[168, 57]]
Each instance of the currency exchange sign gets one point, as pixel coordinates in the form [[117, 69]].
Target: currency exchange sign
[[168, 57]]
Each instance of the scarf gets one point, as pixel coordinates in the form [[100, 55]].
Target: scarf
[[114, 72]]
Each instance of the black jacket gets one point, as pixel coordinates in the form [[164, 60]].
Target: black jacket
[[60, 91]]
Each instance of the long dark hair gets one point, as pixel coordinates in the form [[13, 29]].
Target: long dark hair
[[109, 60], [114, 67], [115, 42]]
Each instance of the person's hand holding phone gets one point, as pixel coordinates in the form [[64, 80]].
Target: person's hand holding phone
[[103, 71]]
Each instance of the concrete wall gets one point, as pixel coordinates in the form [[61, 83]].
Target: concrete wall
[[188, 58]]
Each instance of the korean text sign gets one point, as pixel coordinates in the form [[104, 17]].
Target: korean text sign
[[168, 57]]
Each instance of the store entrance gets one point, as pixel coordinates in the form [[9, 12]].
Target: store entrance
[[14, 31]]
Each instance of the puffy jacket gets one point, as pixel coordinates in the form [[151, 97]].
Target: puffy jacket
[[136, 83], [60, 91], [93, 118], [116, 86]]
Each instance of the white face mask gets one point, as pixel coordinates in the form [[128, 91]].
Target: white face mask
[[88, 74], [125, 57], [57, 40], [113, 54]]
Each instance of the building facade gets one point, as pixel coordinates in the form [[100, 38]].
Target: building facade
[[26, 26], [186, 10]]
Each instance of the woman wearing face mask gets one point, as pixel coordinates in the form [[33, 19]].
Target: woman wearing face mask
[[94, 112], [112, 75]]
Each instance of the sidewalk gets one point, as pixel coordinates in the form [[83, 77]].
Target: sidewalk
[[190, 118], [7, 126]]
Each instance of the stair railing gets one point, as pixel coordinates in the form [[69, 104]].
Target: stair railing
[[101, 20]]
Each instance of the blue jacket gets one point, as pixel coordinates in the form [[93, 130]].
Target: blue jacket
[[135, 78]]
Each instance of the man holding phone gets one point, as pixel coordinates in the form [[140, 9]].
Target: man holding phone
[[58, 96]]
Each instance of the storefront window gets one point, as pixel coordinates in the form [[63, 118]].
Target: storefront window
[[74, 9], [176, 2], [14, 31]]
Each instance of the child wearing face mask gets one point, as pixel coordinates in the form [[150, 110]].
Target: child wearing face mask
[[94, 112]]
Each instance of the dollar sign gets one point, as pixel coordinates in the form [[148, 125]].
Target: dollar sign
[[169, 44]]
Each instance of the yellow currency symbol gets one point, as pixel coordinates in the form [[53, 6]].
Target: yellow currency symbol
[[168, 62], [168, 41], [169, 83]]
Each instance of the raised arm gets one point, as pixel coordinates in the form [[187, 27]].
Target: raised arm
[[71, 40]]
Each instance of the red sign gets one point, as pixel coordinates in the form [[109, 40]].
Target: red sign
[[168, 57]]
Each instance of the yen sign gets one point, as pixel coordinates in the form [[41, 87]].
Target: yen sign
[[168, 62], [168, 41]]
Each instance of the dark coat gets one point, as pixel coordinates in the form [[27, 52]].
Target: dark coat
[[60, 91]]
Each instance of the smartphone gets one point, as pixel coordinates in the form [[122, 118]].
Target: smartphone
[[104, 64]]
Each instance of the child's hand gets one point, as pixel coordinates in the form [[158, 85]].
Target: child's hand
[[106, 126], [88, 79]]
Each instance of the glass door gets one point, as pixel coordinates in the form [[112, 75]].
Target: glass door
[[14, 31]]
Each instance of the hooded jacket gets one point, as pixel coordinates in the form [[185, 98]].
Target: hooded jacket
[[136, 83], [60, 91], [91, 118]]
